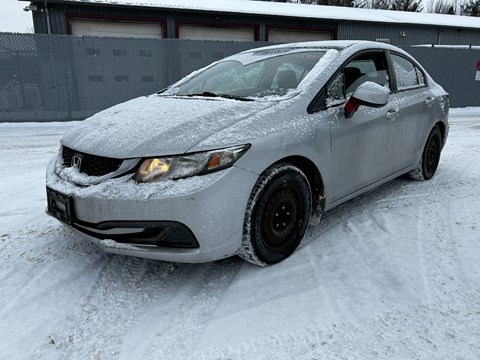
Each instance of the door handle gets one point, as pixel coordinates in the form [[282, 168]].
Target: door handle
[[429, 101], [392, 114]]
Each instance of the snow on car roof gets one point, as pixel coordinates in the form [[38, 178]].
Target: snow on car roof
[[300, 10], [321, 44], [324, 45]]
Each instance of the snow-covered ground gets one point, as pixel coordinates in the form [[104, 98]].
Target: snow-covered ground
[[394, 274]]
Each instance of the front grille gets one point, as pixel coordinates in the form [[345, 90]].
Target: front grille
[[91, 165]]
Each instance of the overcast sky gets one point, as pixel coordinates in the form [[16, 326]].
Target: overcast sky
[[13, 18]]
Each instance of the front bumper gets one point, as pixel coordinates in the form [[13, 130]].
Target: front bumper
[[198, 219]]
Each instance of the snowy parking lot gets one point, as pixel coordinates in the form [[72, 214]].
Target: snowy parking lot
[[393, 274]]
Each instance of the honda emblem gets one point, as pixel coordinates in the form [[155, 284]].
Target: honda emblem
[[77, 161]]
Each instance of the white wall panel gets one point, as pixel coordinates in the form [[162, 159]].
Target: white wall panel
[[116, 28], [212, 33], [288, 36]]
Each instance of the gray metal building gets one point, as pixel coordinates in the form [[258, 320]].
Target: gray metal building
[[241, 20]]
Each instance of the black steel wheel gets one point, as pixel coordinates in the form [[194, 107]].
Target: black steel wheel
[[277, 215], [430, 156]]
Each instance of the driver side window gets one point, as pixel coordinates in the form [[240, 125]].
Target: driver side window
[[367, 67]]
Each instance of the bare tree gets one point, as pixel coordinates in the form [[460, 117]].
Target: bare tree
[[348, 3], [471, 8], [373, 4], [406, 5], [441, 7], [398, 5], [380, 4]]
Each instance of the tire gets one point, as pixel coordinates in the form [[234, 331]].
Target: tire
[[430, 156], [277, 215]]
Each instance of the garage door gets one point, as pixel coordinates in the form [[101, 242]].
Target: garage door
[[115, 28], [287, 36], [213, 33]]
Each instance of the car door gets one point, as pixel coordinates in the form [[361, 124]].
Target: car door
[[416, 111], [361, 148]]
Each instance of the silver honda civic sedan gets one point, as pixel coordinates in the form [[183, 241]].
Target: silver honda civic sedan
[[239, 157]]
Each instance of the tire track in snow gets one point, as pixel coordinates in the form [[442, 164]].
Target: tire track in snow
[[441, 262], [172, 330], [413, 333], [42, 241], [154, 308], [363, 204], [123, 290]]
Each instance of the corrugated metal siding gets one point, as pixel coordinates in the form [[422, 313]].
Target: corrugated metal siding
[[414, 35], [350, 30], [58, 21], [59, 25], [460, 37], [401, 35], [39, 24]]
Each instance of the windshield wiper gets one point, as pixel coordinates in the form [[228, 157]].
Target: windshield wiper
[[226, 96]]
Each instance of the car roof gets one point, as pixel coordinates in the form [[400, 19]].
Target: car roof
[[253, 55], [325, 45]]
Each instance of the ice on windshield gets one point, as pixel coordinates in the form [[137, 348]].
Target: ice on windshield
[[255, 74]]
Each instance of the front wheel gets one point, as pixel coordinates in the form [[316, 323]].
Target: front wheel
[[277, 215], [430, 156]]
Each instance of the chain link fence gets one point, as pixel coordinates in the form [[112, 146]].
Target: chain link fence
[[58, 78]]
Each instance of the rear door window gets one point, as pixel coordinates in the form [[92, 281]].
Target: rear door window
[[407, 74]]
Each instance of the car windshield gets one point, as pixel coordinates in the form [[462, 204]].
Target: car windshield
[[250, 75]]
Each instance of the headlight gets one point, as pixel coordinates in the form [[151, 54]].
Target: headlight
[[182, 166]]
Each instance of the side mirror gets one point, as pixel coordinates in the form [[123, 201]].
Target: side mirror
[[369, 94]]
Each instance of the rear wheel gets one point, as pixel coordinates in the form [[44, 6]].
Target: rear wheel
[[277, 215], [430, 156]]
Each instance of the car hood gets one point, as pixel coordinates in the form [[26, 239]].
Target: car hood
[[156, 125]]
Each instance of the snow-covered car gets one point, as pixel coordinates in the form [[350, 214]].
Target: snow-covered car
[[239, 157]]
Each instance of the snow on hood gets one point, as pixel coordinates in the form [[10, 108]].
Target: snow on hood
[[157, 125]]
